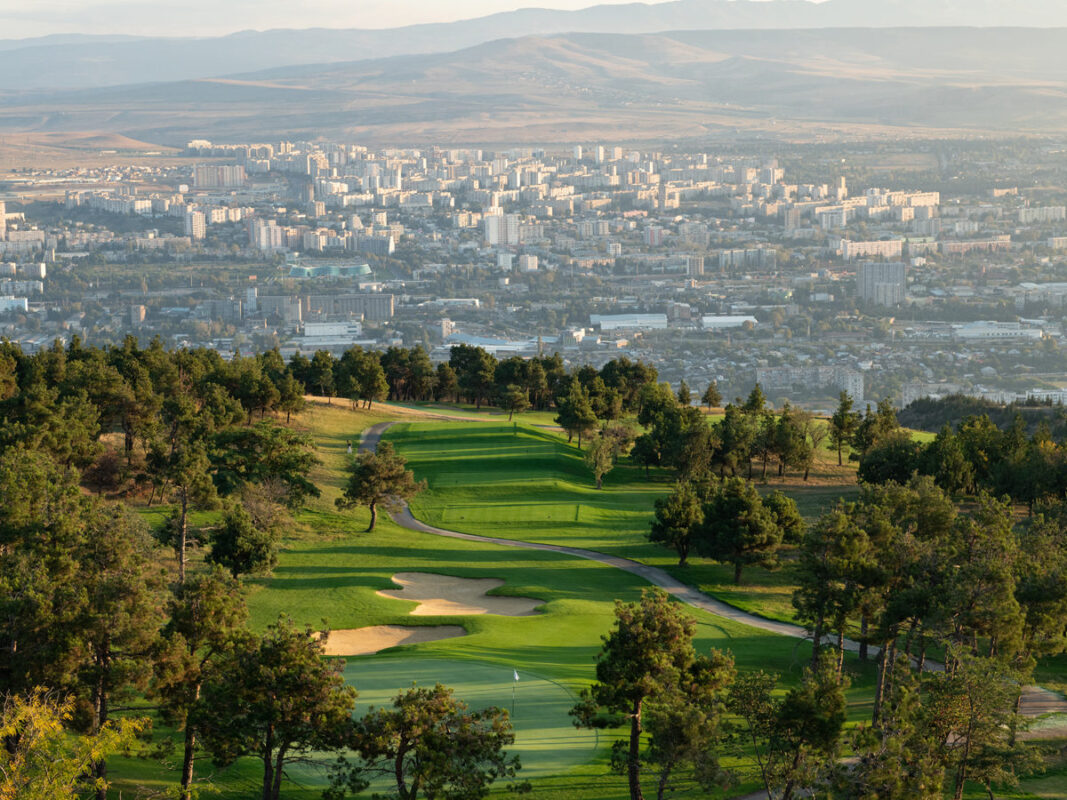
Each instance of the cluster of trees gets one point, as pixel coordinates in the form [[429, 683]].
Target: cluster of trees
[[476, 376], [726, 519], [610, 394], [96, 619], [932, 731], [63, 400], [683, 710], [929, 414], [583, 398], [714, 510], [911, 574], [749, 433], [976, 457], [90, 613], [116, 629], [189, 433], [900, 573]]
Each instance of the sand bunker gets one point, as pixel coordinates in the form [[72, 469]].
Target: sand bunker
[[367, 641], [442, 595]]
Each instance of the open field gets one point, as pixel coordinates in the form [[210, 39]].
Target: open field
[[336, 571], [468, 411], [59, 150]]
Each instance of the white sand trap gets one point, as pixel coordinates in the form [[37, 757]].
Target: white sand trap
[[367, 641], [442, 595]]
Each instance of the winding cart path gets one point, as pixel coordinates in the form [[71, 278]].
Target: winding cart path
[[1035, 701]]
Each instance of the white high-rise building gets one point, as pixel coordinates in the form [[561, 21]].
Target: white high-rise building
[[266, 236], [3, 221], [195, 225], [885, 248], [502, 230], [528, 263], [494, 230]]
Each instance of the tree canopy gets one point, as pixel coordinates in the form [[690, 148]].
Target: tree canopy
[[650, 679], [432, 745], [275, 697], [379, 478]]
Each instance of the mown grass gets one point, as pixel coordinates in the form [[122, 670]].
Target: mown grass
[[529, 484], [489, 413]]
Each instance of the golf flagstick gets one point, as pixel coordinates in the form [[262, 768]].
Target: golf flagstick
[[516, 673]]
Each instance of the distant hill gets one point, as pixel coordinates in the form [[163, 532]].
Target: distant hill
[[570, 88], [87, 61]]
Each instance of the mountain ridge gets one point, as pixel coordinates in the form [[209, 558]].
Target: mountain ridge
[[64, 61], [566, 88]]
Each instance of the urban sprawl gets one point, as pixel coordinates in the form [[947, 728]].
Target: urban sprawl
[[712, 267]]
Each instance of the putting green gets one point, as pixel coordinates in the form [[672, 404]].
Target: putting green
[[545, 739]]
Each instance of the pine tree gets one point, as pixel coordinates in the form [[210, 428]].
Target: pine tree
[[204, 615], [242, 547], [379, 479], [737, 528], [685, 395], [712, 397], [650, 679], [275, 697], [432, 745], [676, 517], [843, 425], [576, 415]]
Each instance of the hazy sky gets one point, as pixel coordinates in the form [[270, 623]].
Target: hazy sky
[[22, 18]]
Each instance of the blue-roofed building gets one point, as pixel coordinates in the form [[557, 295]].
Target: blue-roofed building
[[329, 271]]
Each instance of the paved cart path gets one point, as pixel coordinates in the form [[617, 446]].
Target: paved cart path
[[1035, 702]]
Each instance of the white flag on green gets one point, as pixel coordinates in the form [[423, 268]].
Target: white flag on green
[[516, 674]]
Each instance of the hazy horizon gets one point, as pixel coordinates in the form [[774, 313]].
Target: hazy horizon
[[19, 20]]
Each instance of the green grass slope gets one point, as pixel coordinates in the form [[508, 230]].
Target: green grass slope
[[528, 484]]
